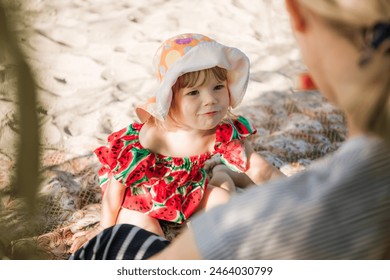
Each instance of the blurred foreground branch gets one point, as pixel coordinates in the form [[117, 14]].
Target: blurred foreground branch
[[26, 180]]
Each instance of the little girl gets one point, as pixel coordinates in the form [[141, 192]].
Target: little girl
[[154, 170]]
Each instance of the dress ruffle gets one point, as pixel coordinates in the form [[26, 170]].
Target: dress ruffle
[[229, 142]]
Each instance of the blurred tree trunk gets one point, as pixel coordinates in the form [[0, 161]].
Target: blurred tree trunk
[[25, 181]]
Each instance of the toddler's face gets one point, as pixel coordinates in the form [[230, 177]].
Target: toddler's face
[[202, 107]]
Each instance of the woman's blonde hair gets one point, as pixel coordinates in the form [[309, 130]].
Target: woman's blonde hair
[[368, 101]]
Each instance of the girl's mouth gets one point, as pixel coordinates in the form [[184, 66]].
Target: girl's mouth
[[211, 113]]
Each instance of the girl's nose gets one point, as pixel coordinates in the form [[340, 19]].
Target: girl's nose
[[209, 97]]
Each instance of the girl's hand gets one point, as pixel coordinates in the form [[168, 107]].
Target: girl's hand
[[80, 238]]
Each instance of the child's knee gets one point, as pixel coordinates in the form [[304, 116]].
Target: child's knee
[[215, 196], [222, 179]]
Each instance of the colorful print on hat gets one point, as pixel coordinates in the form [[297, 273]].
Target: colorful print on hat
[[174, 49], [188, 53]]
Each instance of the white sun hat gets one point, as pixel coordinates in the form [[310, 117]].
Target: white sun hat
[[188, 53]]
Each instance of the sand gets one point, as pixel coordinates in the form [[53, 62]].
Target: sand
[[93, 59]]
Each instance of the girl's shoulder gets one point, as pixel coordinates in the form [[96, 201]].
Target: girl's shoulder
[[152, 138], [118, 144]]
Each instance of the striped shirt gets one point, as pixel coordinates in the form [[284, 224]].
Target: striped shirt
[[121, 242], [339, 208]]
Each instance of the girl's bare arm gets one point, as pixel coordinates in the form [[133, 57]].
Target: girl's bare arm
[[111, 203]]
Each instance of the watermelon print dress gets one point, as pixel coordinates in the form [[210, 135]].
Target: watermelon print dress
[[164, 187]]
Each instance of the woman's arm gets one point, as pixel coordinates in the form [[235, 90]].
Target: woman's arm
[[175, 250], [260, 170]]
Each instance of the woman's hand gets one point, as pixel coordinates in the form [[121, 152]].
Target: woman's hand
[[80, 238]]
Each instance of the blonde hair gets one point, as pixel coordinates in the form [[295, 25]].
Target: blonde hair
[[368, 100], [355, 13], [192, 79]]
